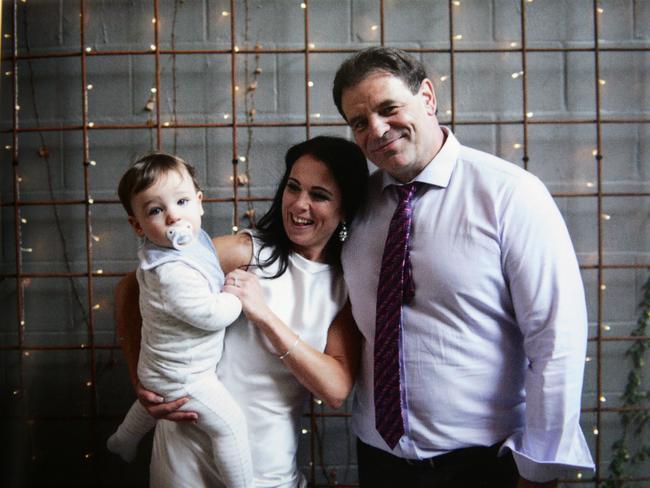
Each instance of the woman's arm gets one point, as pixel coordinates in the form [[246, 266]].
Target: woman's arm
[[234, 251], [329, 375]]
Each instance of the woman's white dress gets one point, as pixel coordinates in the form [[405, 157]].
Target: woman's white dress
[[306, 297]]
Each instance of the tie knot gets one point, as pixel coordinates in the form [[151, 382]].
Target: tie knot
[[405, 192]]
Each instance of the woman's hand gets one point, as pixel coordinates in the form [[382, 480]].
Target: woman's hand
[[155, 406], [246, 287]]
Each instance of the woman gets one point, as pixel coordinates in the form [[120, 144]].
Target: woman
[[298, 334]]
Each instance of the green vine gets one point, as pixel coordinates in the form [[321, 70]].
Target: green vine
[[634, 422]]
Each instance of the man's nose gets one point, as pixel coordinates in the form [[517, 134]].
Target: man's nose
[[378, 127]]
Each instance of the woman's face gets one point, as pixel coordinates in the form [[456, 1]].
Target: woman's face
[[311, 207]]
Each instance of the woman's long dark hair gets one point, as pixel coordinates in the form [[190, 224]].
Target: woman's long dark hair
[[347, 164]]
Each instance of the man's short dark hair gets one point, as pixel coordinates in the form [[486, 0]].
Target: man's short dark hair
[[144, 173], [377, 59]]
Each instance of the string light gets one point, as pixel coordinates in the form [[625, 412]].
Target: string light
[[89, 86], [226, 116], [590, 184], [316, 115], [579, 475], [26, 354], [529, 114], [312, 45], [444, 78], [596, 431], [153, 21], [448, 112], [602, 82], [458, 37], [303, 5], [605, 216], [91, 201], [7, 36], [310, 84], [516, 145], [600, 10], [88, 384], [8, 147], [91, 124], [9, 73], [374, 27], [305, 431], [236, 49], [594, 152], [225, 13], [166, 124], [235, 228], [22, 323], [17, 107], [154, 90], [100, 271], [97, 306], [517, 75], [602, 399], [456, 3], [606, 328], [23, 220], [318, 401], [242, 159], [513, 44], [152, 47], [89, 49], [588, 359], [26, 249], [603, 286]]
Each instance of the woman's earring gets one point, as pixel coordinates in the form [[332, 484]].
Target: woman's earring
[[343, 233]]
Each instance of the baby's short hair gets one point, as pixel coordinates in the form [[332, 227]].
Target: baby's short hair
[[144, 173]]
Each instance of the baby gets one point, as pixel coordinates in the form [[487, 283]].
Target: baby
[[184, 313]]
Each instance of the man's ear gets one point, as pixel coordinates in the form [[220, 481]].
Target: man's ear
[[136, 225], [429, 96], [199, 196]]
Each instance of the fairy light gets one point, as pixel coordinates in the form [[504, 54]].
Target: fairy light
[[603, 286], [316, 115], [225, 13], [236, 49], [312, 45], [235, 228], [310, 84], [444, 78], [22, 323], [458, 37], [590, 184], [448, 112], [8, 147], [100, 271], [303, 5], [154, 89], [529, 114], [516, 75], [516, 145], [513, 44], [166, 124], [26, 249], [456, 3], [97, 306], [594, 152], [600, 10], [304, 431], [91, 124], [89, 384], [8, 73], [374, 27], [602, 399], [17, 107], [605, 216], [606, 328], [236, 87], [89, 49], [89, 86], [26, 354], [579, 475], [242, 159], [152, 47], [23, 220], [226, 116], [588, 359], [153, 21], [91, 201], [7, 36], [596, 431], [602, 82], [318, 401]]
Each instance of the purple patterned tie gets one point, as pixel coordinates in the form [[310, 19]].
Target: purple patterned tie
[[395, 288]]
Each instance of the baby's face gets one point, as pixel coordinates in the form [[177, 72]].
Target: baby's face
[[169, 200]]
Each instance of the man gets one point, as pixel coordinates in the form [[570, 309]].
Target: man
[[468, 294]]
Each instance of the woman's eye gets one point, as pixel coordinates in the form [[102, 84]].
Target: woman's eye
[[320, 197], [293, 187]]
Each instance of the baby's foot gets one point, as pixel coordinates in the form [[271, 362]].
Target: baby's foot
[[126, 450]]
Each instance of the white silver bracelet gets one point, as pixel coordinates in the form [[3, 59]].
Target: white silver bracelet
[[290, 350]]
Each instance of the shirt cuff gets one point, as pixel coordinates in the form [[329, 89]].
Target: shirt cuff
[[571, 464]]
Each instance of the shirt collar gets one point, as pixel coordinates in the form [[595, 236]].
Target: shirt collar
[[438, 171]]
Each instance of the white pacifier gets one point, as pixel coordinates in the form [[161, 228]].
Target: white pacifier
[[180, 234]]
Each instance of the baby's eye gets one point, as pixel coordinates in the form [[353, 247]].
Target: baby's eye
[[154, 211], [183, 201]]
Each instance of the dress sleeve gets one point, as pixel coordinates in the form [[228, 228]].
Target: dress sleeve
[[186, 295], [549, 303]]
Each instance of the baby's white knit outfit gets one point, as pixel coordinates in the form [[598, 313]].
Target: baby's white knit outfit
[[184, 315]]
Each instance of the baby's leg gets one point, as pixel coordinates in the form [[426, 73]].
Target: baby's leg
[[130, 432], [222, 419]]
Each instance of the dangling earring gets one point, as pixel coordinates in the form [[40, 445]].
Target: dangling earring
[[343, 232]]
